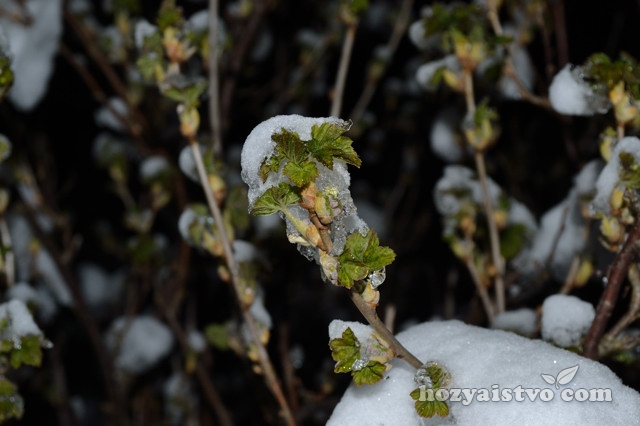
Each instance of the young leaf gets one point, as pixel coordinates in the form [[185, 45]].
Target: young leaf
[[512, 239], [361, 255], [328, 143], [275, 199], [271, 164], [370, 374], [629, 173], [428, 408], [345, 351], [29, 352], [290, 145], [301, 173]]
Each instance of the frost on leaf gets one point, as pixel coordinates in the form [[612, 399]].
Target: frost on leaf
[[366, 360], [362, 254]]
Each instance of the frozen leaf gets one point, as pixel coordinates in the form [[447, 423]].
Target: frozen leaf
[[28, 352], [275, 199], [301, 173], [328, 143], [11, 404], [428, 408], [361, 255], [549, 379], [566, 375], [630, 171], [345, 351], [370, 374]]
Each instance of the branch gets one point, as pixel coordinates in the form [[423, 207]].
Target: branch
[[270, 376], [372, 318], [214, 90], [615, 276], [343, 68]]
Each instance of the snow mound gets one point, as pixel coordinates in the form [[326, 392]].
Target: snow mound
[[479, 358], [565, 319]]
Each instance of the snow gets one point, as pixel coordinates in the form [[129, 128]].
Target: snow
[[38, 297], [565, 217], [566, 319], [141, 341], [259, 146], [244, 251], [50, 274], [19, 321], [100, 288], [425, 72], [20, 232], [105, 118], [524, 70], [521, 321], [446, 140], [570, 95], [360, 330], [142, 30], [479, 358], [33, 49], [609, 176], [154, 167], [196, 341], [416, 35], [187, 163]]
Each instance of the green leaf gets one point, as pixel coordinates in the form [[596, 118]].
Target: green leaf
[[370, 374], [512, 239], [275, 199], [11, 404], [290, 145], [361, 255], [328, 143], [429, 408], [218, 336], [169, 15], [271, 164], [351, 271], [345, 351], [301, 173], [29, 352], [629, 173]]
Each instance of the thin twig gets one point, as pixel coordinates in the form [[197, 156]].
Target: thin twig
[[211, 393], [498, 261], [569, 280], [270, 376], [343, 68], [608, 340], [482, 290], [214, 89], [88, 322], [560, 27], [290, 380], [399, 30], [372, 317], [615, 277], [140, 124], [9, 257]]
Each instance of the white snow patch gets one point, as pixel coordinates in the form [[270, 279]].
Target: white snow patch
[[154, 167], [522, 321], [425, 72], [446, 140], [566, 319], [105, 118], [33, 49], [608, 179], [143, 30], [19, 321], [479, 358], [570, 94], [100, 288], [141, 342], [51, 276]]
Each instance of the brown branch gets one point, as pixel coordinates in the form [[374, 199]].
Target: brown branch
[[399, 29], [210, 392], [214, 83], [140, 125], [87, 321], [343, 68], [615, 277], [249, 32], [372, 318]]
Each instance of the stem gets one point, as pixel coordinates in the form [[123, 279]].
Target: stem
[[214, 88], [615, 276], [343, 68], [482, 290], [9, 266], [372, 318], [608, 341], [86, 319], [270, 377], [399, 30], [498, 262], [468, 92]]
